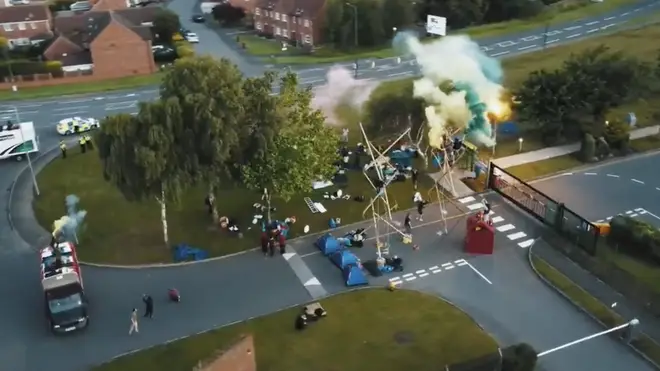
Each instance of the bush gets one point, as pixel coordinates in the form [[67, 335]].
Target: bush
[[617, 134], [588, 148], [26, 67], [635, 237], [184, 49], [54, 68], [519, 357]]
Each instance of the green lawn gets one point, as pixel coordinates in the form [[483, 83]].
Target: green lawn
[[545, 167], [119, 232], [130, 82], [564, 11], [599, 310], [646, 273], [364, 329]]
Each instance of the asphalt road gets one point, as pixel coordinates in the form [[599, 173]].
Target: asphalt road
[[220, 292]]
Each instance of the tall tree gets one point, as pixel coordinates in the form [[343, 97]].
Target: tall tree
[[210, 92], [303, 151], [370, 23], [335, 20], [140, 156], [166, 24], [394, 111], [397, 14], [227, 14]]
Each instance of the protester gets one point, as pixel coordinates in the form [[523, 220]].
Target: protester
[[149, 306], [63, 148], [414, 174], [134, 322], [407, 224]]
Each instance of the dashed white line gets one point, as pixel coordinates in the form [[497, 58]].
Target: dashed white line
[[497, 219], [643, 212], [592, 23], [637, 181], [395, 279], [476, 206], [436, 271], [516, 236], [527, 47], [526, 243], [657, 189], [573, 35], [506, 227], [448, 268], [609, 18], [633, 215], [552, 41], [590, 174], [593, 30], [639, 209], [629, 212], [408, 275], [613, 176], [499, 54], [434, 268], [420, 271], [462, 263], [609, 218], [446, 265], [625, 14], [411, 278], [467, 199], [423, 275]]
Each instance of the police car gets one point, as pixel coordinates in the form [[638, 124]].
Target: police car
[[74, 125]]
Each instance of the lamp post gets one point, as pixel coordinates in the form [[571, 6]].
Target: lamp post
[[355, 32], [20, 129]]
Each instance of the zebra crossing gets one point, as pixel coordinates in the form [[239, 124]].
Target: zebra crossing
[[512, 233]]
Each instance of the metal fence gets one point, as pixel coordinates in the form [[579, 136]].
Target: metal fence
[[568, 224]]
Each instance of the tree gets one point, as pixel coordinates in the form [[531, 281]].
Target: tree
[[166, 24], [210, 92], [334, 25], [397, 14], [140, 155], [370, 23], [303, 151], [227, 14], [394, 111]]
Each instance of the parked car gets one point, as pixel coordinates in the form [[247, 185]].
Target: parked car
[[81, 6], [192, 37], [75, 125], [164, 53], [198, 18]]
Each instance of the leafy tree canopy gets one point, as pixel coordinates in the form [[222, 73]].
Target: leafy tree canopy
[[303, 150], [228, 14], [166, 24]]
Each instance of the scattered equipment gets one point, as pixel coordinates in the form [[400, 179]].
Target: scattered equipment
[[310, 313], [184, 253]]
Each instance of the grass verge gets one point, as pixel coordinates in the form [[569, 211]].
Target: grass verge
[[364, 330], [600, 311], [562, 12], [130, 82], [120, 232]]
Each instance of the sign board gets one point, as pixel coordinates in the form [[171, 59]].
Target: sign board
[[436, 25]]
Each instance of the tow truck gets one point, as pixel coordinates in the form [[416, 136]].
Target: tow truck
[[65, 301]]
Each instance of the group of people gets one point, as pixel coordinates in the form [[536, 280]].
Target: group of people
[[85, 142]]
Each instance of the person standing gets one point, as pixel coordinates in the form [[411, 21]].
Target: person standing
[[83, 144], [407, 225], [88, 142], [63, 148], [420, 209], [134, 322], [414, 174], [149, 306]]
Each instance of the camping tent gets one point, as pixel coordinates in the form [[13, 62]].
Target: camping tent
[[328, 244], [353, 276], [402, 158], [344, 258]]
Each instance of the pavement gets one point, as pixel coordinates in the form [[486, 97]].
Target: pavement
[[499, 291]]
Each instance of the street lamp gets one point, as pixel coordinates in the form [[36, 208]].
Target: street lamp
[[20, 128], [355, 32]]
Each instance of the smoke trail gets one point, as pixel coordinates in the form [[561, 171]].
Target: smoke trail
[[341, 89], [69, 225], [460, 84]]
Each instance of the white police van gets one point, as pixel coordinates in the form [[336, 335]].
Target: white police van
[[17, 140]]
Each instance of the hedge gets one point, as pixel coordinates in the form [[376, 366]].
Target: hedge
[[26, 67], [184, 49], [635, 237]]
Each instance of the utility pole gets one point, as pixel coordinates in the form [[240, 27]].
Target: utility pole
[[355, 33], [20, 128]]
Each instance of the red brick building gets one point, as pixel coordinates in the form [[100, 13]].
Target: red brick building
[[115, 42], [295, 21], [25, 24]]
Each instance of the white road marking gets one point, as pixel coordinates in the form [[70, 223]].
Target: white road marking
[[439, 233], [643, 212], [448, 268], [625, 14], [462, 263], [408, 275], [434, 268], [573, 35], [612, 176], [395, 279], [476, 206], [552, 41], [467, 199], [517, 236], [499, 54], [446, 265], [411, 279], [526, 243], [497, 219], [629, 212], [436, 271], [506, 227], [609, 18], [528, 47], [572, 28], [608, 26], [639, 209], [592, 23], [479, 273], [593, 30], [400, 74], [633, 215], [609, 218], [653, 215], [637, 181], [423, 275], [421, 271], [590, 174]]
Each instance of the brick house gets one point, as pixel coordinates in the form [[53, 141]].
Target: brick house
[[298, 22], [114, 42], [25, 24]]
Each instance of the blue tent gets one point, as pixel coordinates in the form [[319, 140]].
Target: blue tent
[[344, 258], [402, 158], [328, 244], [353, 276]]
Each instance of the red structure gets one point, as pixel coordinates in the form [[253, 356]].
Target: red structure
[[480, 235], [272, 238]]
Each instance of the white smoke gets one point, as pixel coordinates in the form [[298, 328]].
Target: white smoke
[[451, 59], [68, 226], [341, 89]]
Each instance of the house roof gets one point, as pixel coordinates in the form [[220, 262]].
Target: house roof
[[302, 8], [83, 29], [139, 15], [66, 51], [20, 13]]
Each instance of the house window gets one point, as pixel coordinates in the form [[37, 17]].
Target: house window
[[33, 25], [257, 11], [7, 27], [21, 26], [258, 26], [277, 16], [277, 31], [285, 33], [307, 39], [284, 18], [306, 23]]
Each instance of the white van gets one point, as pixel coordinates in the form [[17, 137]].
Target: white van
[[17, 140], [80, 6]]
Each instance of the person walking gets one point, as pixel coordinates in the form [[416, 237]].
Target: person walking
[[414, 175], [407, 225], [88, 142], [134, 322], [420, 209], [148, 306], [63, 148]]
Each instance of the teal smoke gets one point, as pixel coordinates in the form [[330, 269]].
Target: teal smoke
[[490, 67], [478, 130]]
